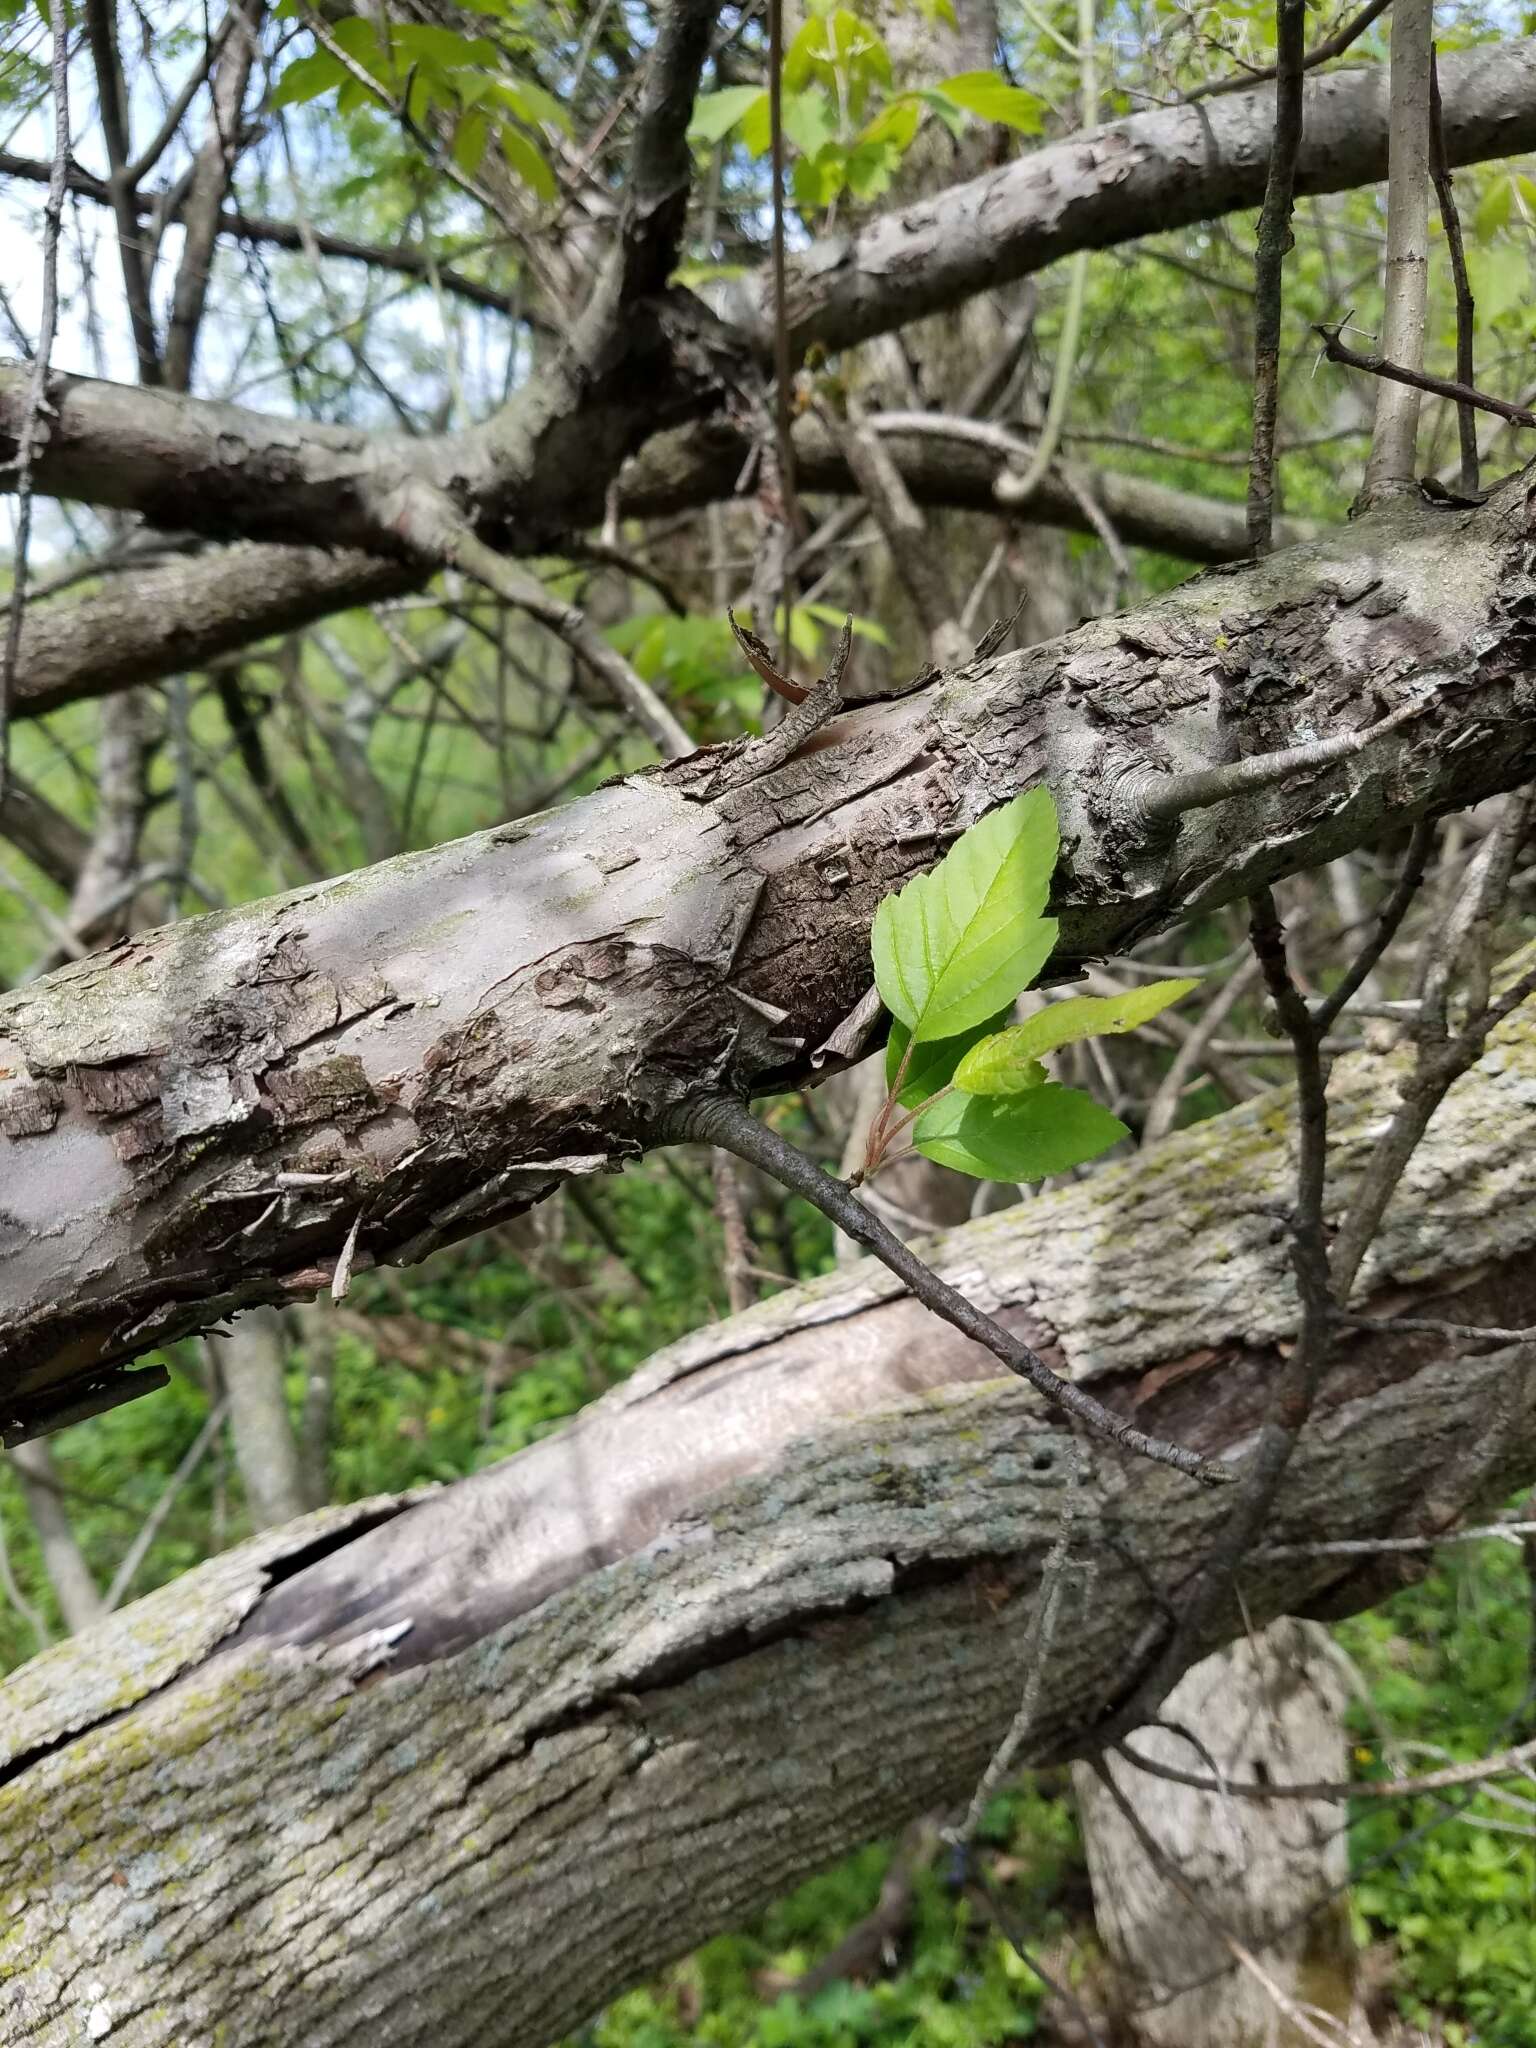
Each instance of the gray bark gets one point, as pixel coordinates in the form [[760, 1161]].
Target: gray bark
[[194, 1121], [224, 471], [459, 1769], [1266, 1709], [252, 1363]]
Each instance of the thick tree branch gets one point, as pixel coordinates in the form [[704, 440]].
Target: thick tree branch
[[542, 1698], [452, 1035]]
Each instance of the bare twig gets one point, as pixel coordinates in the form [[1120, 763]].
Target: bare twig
[[154, 1521], [719, 1120], [1466, 311], [1334, 46], [1448, 1780], [1014, 491], [1169, 796], [1338, 351], [1275, 238]]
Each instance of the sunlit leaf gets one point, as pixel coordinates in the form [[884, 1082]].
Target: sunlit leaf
[[307, 78], [1016, 1137], [990, 97], [715, 114], [1003, 1065], [959, 943]]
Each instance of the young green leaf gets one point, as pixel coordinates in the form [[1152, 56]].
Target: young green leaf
[[991, 98], [1002, 1065], [1016, 1137], [959, 943], [715, 114], [932, 1064]]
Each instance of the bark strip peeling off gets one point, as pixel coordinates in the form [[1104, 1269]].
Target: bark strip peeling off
[[467, 1770], [195, 1120]]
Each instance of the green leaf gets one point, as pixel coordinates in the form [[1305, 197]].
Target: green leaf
[[959, 943], [808, 121], [991, 98], [932, 1065], [756, 126], [306, 78], [1493, 208], [469, 142], [1016, 1137], [528, 162], [715, 114], [1001, 1065], [897, 123]]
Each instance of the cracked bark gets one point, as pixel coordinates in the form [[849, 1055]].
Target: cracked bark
[[431, 1769], [193, 1121]]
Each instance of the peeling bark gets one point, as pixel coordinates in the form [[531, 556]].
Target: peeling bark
[[467, 1766], [194, 1121]]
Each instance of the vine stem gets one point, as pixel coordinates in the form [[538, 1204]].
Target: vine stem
[[723, 1121]]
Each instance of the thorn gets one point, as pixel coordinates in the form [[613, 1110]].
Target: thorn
[[761, 661]]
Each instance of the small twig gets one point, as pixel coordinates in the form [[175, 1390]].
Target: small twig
[[1295, 1385], [1448, 1780], [512, 583], [1334, 46], [1169, 796], [136, 1552], [1441, 387], [1275, 238], [1037, 1650], [783, 425], [720, 1120], [1014, 491], [1374, 1546], [739, 1264], [1466, 311], [1326, 1013], [37, 407]]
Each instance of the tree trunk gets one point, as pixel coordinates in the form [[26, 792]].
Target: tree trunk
[[202, 1118], [74, 1586], [252, 1363], [1266, 1710], [461, 1768]]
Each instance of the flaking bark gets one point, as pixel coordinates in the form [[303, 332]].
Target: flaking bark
[[194, 1121]]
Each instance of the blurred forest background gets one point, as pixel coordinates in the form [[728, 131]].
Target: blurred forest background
[[433, 715]]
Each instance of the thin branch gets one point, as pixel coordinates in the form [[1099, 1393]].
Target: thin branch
[[1448, 1780], [1420, 845], [718, 1120], [1338, 351], [136, 1552], [1295, 1385], [1334, 46], [1014, 491], [1169, 796], [1275, 238], [37, 406], [1466, 310], [456, 544]]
